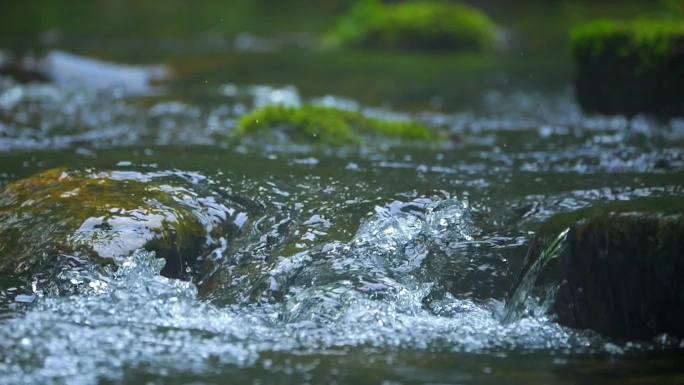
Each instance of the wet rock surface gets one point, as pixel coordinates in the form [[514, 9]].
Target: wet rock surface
[[619, 271], [104, 216], [630, 67]]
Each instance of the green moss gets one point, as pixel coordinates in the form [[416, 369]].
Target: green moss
[[414, 25], [64, 212], [630, 67], [651, 41], [327, 125]]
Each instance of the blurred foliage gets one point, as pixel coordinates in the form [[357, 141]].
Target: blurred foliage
[[415, 25], [198, 41], [163, 18], [676, 6], [529, 24]]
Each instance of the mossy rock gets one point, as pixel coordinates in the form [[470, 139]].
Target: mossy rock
[[620, 268], [103, 216], [327, 125], [414, 25], [630, 67]]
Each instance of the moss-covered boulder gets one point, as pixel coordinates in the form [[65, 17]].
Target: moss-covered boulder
[[618, 270], [414, 25], [630, 67], [102, 216], [326, 125]]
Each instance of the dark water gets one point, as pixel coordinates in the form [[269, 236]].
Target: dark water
[[386, 263]]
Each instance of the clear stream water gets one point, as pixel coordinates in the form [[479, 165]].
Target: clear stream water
[[387, 263]]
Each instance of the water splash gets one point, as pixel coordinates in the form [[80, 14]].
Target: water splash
[[517, 304], [362, 293]]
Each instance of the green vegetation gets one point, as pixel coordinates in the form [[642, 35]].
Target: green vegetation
[[95, 215], [23, 23], [630, 67], [327, 125], [675, 6], [415, 25], [620, 269]]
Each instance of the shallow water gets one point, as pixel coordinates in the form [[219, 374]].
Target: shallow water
[[387, 262]]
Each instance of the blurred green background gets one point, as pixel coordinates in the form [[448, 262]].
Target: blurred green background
[[277, 42]]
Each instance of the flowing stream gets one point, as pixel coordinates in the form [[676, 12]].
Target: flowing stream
[[353, 264], [384, 262]]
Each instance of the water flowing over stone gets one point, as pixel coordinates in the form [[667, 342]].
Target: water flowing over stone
[[386, 261], [362, 293], [107, 216]]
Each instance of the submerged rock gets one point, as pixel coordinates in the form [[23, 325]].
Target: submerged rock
[[103, 216], [630, 67], [618, 271], [416, 25], [327, 125], [64, 67], [89, 73]]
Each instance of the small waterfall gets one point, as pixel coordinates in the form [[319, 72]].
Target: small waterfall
[[515, 306]]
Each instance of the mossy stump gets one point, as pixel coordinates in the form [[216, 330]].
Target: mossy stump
[[414, 26], [326, 125], [630, 67], [621, 268]]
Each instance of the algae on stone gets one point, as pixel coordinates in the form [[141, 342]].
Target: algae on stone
[[620, 269], [630, 66], [327, 125], [415, 25], [101, 215]]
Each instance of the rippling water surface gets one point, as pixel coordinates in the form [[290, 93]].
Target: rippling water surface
[[354, 264], [388, 262]]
